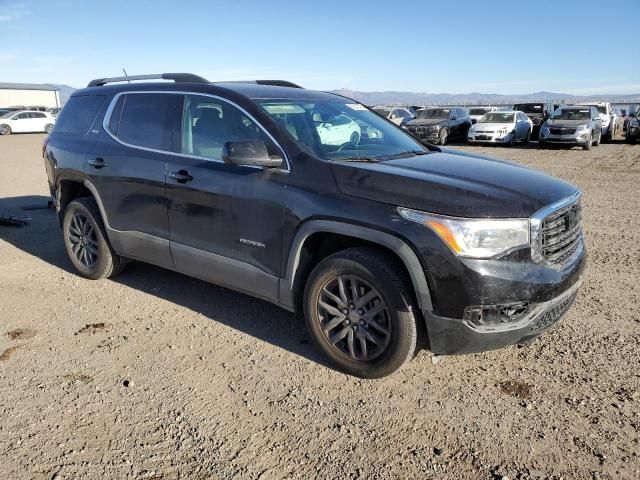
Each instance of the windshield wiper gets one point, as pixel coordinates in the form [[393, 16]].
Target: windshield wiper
[[408, 153], [357, 159]]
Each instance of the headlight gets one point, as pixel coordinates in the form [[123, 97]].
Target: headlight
[[583, 127], [475, 238]]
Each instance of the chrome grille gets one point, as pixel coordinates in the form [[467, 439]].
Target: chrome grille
[[561, 234]]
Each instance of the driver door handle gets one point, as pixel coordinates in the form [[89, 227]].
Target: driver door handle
[[181, 176]]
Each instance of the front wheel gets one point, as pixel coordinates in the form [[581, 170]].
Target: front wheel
[[443, 137], [359, 312], [5, 129], [528, 137], [587, 146], [355, 138], [86, 241]]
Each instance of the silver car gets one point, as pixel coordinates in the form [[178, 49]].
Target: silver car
[[572, 125]]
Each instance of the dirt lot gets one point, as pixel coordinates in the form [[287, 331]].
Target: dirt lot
[[155, 375]]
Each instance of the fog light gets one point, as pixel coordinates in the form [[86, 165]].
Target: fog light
[[496, 314]]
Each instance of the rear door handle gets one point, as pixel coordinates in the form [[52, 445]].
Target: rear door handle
[[97, 163], [181, 176]]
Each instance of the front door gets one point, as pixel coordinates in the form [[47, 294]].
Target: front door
[[225, 220]]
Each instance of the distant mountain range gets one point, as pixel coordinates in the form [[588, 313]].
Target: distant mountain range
[[412, 98], [475, 98]]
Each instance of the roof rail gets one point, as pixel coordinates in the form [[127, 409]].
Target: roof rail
[[275, 83], [176, 77]]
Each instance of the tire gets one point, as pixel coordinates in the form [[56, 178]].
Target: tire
[[355, 138], [597, 142], [443, 136], [542, 145], [587, 146], [390, 336], [48, 127], [82, 222], [5, 129], [527, 139]]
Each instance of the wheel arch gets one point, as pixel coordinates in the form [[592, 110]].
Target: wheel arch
[[297, 271]]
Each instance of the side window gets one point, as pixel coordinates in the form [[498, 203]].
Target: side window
[[21, 116], [146, 120], [38, 115], [116, 114], [78, 114], [208, 123]]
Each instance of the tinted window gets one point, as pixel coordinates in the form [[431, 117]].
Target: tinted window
[[208, 123], [116, 113], [145, 120], [38, 115], [78, 114]]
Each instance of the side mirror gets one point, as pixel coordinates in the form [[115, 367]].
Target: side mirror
[[250, 153]]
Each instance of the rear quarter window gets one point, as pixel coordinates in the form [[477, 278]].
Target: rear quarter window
[[78, 114], [146, 120]]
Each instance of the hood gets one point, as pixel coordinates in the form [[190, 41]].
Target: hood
[[453, 183], [566, 123], [493, 126], [427, 121]]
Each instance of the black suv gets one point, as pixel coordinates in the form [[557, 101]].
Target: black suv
[[386, 245], [538, 113], [439, 125]]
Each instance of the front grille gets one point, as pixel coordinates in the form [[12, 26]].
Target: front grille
[[484, 137], [562, 131], [554, 314], [561, 234]]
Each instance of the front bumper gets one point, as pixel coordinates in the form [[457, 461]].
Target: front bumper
[[453, 336], [573, 139], [488, 138], [431, 136], [548, 291]]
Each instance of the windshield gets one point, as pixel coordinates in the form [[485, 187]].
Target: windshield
[[336, 129], [479, 111], [529, 107], [436, 113], [572, 114], [496, 117]]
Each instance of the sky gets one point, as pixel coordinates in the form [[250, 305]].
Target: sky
[[578, 47]]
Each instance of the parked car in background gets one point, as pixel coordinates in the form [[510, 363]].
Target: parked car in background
[[54, 111], [337, 130], [398, 115], [501, 127], [439, 125], [612, 122], [572, 125], [538, 112], [476, 113], [26, 122], [384, 247], [633, 128]]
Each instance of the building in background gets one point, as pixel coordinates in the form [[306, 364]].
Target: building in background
[[28, 95]]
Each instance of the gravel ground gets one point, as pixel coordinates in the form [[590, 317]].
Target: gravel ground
[[158, 376]]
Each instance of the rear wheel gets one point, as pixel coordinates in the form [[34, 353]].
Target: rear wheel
[[86, 241], [359, 312], [5, 129], [48, 127]]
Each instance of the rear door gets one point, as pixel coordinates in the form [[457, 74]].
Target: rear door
[[127, 166], [225, 220]]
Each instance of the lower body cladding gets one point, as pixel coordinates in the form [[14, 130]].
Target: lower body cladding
[[490, 137], [497, 315]]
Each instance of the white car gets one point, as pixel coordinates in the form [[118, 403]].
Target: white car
[[24, 121], [501, 127], [338, 130], [476, 113], [612, 123]]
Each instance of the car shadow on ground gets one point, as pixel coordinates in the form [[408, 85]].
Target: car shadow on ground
[[42, 238]]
